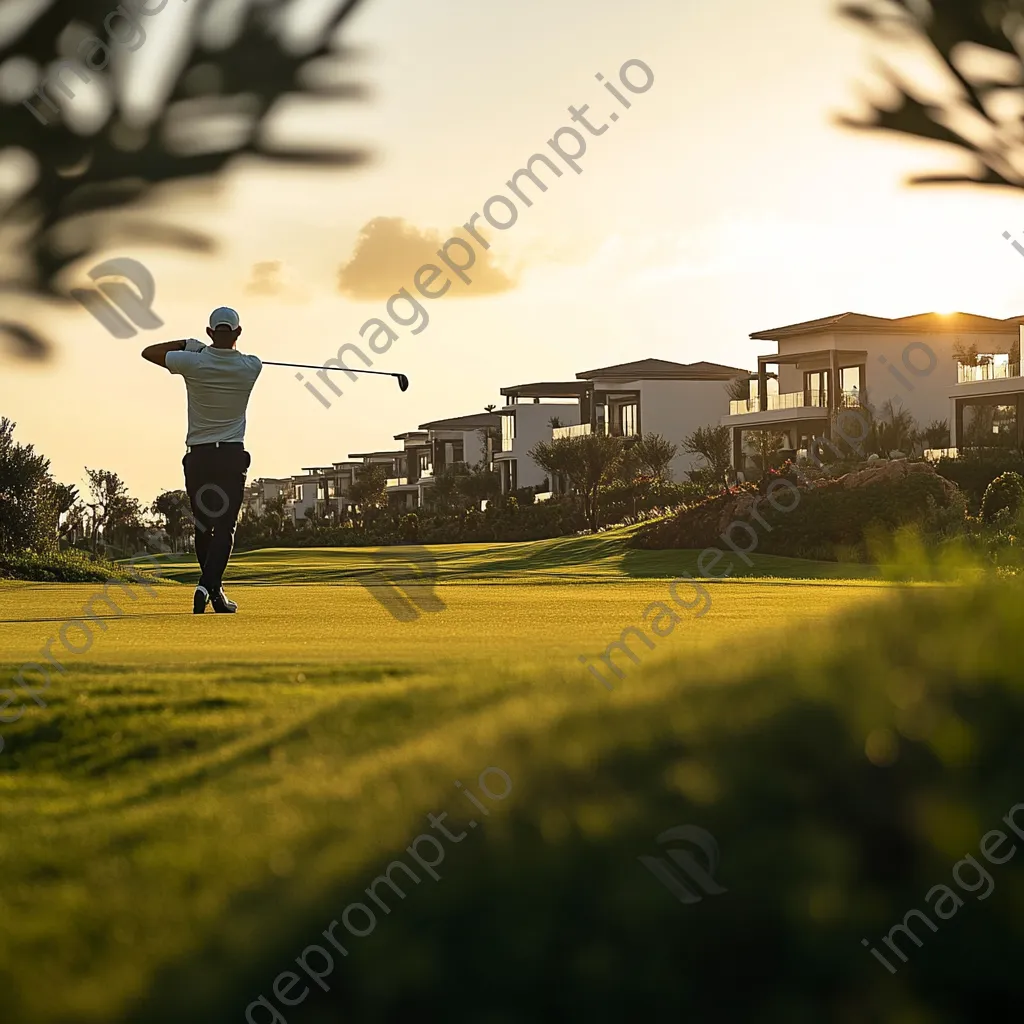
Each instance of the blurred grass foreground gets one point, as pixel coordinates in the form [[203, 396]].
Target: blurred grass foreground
[[843, 766]]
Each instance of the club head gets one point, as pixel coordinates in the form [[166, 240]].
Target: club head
[[403, 382]]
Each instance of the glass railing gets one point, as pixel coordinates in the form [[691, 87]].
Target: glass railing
[[575, 430], [987, 371], [397, 481], [794, 400]]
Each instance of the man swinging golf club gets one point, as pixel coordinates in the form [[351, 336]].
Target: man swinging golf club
[[219, 380]]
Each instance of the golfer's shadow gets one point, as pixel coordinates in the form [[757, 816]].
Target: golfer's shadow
[[404, 585]]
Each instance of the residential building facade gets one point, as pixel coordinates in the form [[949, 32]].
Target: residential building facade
[[846, 361], [627, 399]]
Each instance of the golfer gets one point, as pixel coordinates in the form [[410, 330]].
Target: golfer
[[219, 380]]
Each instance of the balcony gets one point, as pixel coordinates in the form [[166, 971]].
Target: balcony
[[576, 430], [987, 371], [794, 400]]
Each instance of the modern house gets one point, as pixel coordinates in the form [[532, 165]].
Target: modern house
[[332, 486], [304, 492], [645, 396], [263, 490], [848, 360], [415, 470], [471, 440], [986, 405], [526, 419], [391, 461]]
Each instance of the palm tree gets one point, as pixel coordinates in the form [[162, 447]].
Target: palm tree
[[895, 428], [87, 183], [936, 434], [714, 446]]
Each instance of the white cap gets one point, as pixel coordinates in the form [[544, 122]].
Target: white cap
[[223, 316]]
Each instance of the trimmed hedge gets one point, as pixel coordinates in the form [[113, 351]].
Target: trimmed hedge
[[508, 522]]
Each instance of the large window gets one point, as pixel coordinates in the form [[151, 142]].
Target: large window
[[990, 425], [816, 388], [627, 419], [508, 430]]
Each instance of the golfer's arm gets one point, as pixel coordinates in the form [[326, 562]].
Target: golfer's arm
[[156, 353]]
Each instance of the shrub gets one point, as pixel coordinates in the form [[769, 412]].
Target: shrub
[[1004, 494], [977, 468], [64, 567], [830, 516]]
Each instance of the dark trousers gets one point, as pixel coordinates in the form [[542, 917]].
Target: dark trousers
[[215, 482]]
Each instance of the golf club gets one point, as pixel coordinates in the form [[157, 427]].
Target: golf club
[[403, 381]]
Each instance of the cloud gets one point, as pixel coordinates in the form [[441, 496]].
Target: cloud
[[389, 251], [268, 280]]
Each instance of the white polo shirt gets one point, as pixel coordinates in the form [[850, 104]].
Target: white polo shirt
[[219, 382]]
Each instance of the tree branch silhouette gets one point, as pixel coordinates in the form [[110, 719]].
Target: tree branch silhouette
[[976, 44], [83, 187]]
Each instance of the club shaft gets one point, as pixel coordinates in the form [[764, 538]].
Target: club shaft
[[308, 366]]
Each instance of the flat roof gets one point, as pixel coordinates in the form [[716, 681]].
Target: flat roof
[[547, 389], [474, 419], [375, 455]]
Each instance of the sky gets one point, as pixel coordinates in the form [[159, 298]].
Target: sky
[[724, 201]]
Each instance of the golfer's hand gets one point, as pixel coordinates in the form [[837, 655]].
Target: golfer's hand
[[194, 345]]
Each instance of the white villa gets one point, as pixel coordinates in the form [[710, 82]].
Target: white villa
[[956, 369], [821, 366], [644, 396]]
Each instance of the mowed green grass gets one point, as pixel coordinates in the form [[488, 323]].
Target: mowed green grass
[[196, 787]]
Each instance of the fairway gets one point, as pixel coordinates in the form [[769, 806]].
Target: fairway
[[184, 763]]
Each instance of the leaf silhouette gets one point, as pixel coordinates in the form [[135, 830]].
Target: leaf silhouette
[[962, 115], [226, 85]]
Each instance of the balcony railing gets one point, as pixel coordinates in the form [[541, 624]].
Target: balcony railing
[[576, 430], [794, 400], [987, 371], [397, 481]]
